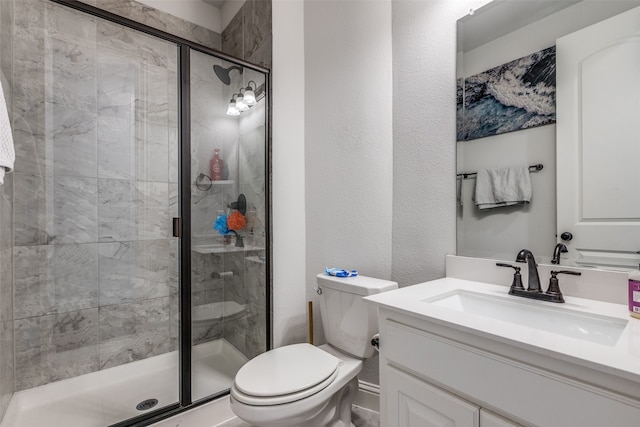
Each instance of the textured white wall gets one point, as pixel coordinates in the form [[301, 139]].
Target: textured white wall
[[288, 177], [348, 125], [378, 183], [424, 102]]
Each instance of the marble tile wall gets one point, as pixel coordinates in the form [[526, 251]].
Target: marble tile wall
[[255, 277], [234, 290], [248, 35], [246, 287], [6, 223], [252, 172], [94, 265], [54, 347], [242, 141], [206, 288], [252, 339], [89, 279], [6, 297], [160, 20]]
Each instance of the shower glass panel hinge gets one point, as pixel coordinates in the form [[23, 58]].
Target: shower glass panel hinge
[[177, 227]]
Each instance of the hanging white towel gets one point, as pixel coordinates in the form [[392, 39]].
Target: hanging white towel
[[7, 151], [502, 187]]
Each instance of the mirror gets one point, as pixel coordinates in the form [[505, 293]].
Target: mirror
[[504, 125]]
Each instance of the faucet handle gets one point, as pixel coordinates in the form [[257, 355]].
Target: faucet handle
[[517, 277], [502, 264], [554, 287], [573, 273]]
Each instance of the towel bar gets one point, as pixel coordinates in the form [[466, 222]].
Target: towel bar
[[532, 168]]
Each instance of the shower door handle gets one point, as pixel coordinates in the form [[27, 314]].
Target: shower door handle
[[177, 227]]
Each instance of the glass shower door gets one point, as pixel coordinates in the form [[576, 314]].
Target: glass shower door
[[100, 283], [228, 262], [137, 89], [95, 263]]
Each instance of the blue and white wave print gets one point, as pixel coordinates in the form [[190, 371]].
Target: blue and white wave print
[[518, 95]]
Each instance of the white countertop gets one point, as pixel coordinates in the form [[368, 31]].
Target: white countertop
[[620, 358]]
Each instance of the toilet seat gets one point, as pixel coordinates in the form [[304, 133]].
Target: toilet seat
[[279, 400], [285, 375]]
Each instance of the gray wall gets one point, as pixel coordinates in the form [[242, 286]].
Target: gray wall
[[160, 20], [93, 193], [95, 266], [95, 281], [83, 269], [242, 144], [248, 34], [247, 37], [6, 223]]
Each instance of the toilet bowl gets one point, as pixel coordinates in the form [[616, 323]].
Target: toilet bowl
[[304, 385], [314, 401]]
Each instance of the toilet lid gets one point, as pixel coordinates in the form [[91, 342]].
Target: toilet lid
[[286, 370]]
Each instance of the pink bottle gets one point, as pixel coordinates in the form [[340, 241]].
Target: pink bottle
[[216, 166]]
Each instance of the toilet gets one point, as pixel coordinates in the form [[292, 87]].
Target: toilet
[[304, 385]]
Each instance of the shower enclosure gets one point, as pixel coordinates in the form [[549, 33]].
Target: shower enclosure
[[140, 252]]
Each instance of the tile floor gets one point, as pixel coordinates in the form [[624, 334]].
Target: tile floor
[[360, 417]]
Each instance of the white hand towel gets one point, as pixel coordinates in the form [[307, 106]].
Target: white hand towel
[[502, 187], [7, 151]]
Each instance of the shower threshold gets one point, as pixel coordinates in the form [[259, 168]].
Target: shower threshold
[[111, 395]]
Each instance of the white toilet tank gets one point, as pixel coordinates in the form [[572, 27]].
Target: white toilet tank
[[348, 321]]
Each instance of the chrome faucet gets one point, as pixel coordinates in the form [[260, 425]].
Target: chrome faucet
[[560, 248], [526, 255]]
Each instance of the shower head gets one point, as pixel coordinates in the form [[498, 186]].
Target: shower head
[[223, 73]]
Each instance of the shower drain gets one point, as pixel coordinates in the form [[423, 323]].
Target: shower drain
[[146, 404]]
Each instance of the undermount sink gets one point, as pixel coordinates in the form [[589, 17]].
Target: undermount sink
[[563, 320]]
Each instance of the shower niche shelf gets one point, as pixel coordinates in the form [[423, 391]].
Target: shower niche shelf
[[204, 182]]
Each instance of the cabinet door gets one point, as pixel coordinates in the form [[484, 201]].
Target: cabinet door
[[414, 403], [489, 419]]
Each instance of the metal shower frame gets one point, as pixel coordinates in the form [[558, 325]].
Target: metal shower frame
[[183, 230]]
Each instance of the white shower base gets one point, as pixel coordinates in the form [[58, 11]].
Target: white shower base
[[106, 397]]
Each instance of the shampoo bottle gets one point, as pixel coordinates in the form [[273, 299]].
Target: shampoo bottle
[[634, 293], [216, 166]]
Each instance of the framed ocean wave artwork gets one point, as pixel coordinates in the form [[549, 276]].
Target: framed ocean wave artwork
[[518, 95]]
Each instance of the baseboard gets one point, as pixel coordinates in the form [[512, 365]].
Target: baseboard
[[368, 396]]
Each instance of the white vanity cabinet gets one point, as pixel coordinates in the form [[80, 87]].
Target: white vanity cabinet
[[412, 402], [436, 374], [489, 419], [415, 403]]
